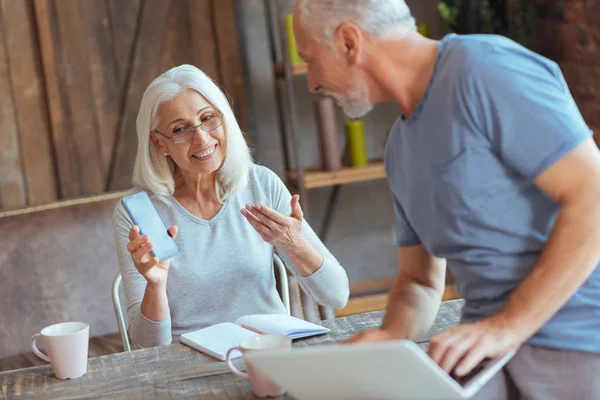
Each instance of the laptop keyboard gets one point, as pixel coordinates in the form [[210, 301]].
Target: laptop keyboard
[[465, 380]]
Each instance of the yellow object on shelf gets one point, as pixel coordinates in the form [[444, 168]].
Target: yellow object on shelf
[[292, 46], [423, 29], [355, 131]]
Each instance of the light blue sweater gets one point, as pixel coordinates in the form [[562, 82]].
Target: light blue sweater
[[225, 269]]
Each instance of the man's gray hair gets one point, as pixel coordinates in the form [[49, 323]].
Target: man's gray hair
[[376, 17]]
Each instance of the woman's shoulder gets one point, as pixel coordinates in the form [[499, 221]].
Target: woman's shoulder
[[263, 185], [263, 176]]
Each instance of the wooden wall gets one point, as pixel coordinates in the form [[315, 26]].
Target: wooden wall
[[72, 74]]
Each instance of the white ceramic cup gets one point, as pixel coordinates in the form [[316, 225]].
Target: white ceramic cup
[[67, 345], [261, 385]]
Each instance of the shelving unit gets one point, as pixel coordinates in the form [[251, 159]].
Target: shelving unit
[[316, 178], [299, 177], [297, 69]]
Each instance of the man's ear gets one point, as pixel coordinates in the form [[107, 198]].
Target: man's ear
[[351, 38]]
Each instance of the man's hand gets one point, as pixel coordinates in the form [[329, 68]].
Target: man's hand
[[371, 335], [462, 348]]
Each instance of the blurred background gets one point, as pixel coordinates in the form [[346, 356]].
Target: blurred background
[[72, 73]]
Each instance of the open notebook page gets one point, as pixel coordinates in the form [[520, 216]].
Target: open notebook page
[[217, 339], [282, 324]]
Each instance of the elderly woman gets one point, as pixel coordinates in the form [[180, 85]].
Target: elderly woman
[[227, 215]]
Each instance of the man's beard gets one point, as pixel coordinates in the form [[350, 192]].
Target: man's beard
[[355, 102]]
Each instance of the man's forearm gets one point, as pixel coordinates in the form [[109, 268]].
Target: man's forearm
[[412, 308], [570, 256]]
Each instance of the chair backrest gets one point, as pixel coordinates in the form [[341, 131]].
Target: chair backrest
[[116, 298], [281, 276]]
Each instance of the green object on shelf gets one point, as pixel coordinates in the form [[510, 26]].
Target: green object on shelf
[[292, 46], [423, 29], [355, 131]]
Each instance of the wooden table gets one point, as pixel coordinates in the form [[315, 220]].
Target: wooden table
[[176, 371]]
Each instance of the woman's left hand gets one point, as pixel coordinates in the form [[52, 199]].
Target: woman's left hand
[[275, 228]]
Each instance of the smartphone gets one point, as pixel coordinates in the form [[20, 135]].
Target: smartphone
[[144, 215]]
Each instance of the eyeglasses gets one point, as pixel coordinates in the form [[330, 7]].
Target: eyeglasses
[[186, 133]]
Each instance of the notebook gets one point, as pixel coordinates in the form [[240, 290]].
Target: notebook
[[217, 339]]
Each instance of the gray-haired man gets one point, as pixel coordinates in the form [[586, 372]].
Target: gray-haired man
[[494, 173]]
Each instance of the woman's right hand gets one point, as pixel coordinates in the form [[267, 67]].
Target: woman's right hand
[[147, 265]]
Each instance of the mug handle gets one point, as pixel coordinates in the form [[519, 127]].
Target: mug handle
[[37, 351], [232, 367]]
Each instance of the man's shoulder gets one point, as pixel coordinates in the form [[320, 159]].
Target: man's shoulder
[[488, 54], [468, 51]]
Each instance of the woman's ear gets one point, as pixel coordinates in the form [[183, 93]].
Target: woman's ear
[[156, 141]]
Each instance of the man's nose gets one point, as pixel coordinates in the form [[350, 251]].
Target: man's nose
[[316, 89], [313, 86]]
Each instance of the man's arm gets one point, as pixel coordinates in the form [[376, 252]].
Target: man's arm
[[572, 252], [569, 257], [414, 298]]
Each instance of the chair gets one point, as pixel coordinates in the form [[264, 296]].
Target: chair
[[281, 278]]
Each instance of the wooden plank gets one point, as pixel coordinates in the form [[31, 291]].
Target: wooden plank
[[371, 286], [374, 286], [107, 71], [202, 39], [63, 42], [123, 23], [30, 102], [230, 62], [47, 36], [297, 69], [76, 81], [450, 293], [146, 65], [314, 178], [12, 180], [374, 302], [363, 304], [176, 371], [170, 34]]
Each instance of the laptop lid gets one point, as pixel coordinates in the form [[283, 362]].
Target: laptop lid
[[387, 370]]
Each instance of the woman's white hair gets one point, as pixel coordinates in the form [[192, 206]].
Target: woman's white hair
[[377, 17], [152, 170]]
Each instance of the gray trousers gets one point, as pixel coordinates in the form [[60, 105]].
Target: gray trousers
[[537, 373]]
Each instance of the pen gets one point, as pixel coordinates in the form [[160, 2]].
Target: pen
[[254, 329]]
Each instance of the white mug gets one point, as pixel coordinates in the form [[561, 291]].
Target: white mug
[[261, 385], [67, 345]]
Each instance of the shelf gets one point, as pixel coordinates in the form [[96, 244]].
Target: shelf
[[297, 69], [379, 301], [314, 179], [372, 286]]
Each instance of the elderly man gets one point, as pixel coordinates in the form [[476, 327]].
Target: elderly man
[[493, 173]]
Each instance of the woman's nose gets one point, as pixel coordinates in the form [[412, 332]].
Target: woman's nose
[[201, 135]]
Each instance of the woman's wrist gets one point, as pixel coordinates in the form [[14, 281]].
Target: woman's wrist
[[305, 257], [297, 248], [156, 286]]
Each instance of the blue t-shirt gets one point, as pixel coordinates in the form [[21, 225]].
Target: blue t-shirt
[[462, 168]]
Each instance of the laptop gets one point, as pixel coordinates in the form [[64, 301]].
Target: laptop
[[386, 370]]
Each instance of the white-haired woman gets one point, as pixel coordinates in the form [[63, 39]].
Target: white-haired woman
[[226, 214]]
